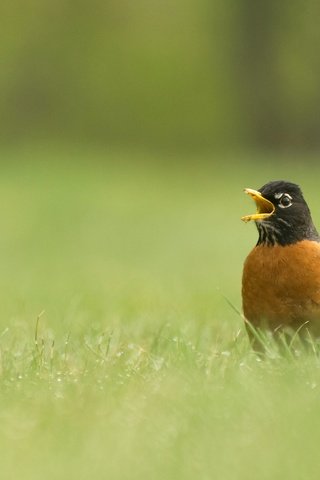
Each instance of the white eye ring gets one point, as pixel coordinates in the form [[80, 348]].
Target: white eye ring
[[285, 200]]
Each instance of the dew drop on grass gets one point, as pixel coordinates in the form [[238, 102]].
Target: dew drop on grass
[[226, 353], [158, 363]]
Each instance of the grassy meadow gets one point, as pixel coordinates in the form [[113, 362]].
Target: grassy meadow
[[120, 357]]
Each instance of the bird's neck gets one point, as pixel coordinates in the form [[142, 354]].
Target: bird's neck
[[283, 233]]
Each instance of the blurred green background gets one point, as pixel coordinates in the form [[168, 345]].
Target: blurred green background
[[197, 74]]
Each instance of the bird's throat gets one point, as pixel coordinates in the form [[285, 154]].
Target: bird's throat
[[283, 233]]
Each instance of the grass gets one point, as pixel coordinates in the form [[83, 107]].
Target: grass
[[120, 356]]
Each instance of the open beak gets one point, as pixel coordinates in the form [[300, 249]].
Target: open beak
[[265, 208]]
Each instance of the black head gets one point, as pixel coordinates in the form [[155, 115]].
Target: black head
[[283, 215]]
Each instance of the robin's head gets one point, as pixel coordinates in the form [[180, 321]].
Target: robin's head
[[283, 216]]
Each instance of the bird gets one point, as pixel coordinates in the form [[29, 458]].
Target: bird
[[281, 274]]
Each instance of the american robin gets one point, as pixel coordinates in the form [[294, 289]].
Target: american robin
[[281, 275]]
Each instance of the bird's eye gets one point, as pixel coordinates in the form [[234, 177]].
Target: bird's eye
[[285, 201]]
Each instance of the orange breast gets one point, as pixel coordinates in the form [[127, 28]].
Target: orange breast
[[281, 286]]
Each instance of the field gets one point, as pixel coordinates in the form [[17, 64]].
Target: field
[[121, 356]]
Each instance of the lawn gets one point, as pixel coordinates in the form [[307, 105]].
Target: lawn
[[120, 355]]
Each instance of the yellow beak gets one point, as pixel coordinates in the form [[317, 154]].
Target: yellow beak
[[265, 208]]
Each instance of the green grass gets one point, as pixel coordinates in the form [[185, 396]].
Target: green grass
[[120, 357]]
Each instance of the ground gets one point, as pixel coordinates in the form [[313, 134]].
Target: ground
[[122, 356]]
